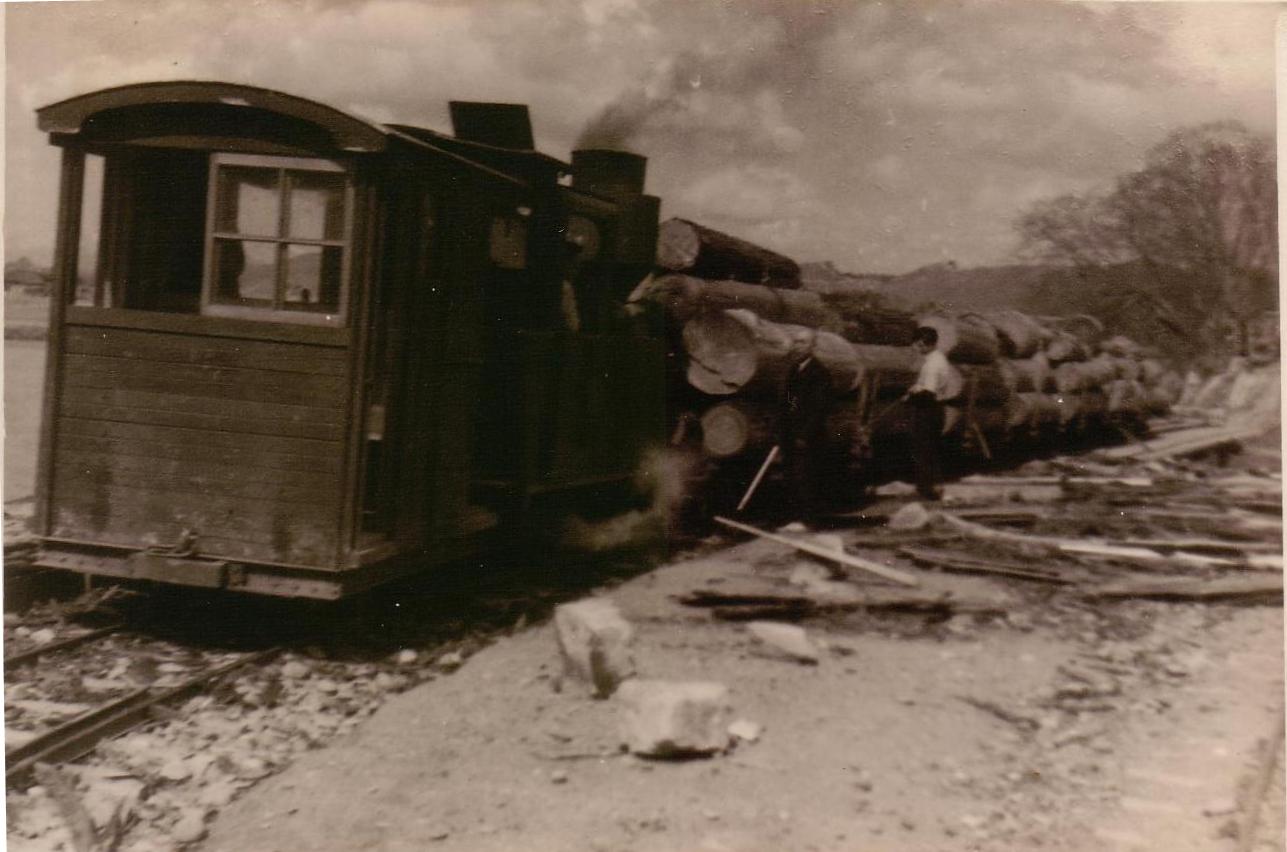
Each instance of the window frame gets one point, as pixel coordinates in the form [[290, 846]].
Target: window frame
[[210, 303]]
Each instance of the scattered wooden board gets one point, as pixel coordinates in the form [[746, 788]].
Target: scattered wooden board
[[1128, 481], [1082, 547], [839, 556], [1242, 589], [1184, 442], [1208, 545], [751, 606], [966, 564]]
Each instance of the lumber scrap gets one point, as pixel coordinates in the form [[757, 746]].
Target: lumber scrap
[[1078, 547], [1001, 515], [752, 606], [1208, 545], [838, 556], [1184, 442], [1242, 589], [684, 246], [1127, 481], [966, 564]]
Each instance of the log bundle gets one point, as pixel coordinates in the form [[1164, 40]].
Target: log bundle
[[684, 246], [742, 326]]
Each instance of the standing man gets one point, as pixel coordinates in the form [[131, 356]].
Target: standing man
[[806, 400], [933, 387]]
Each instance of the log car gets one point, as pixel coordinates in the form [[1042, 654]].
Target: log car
[[296, 353]]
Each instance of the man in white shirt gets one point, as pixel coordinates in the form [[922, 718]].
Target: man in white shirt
[[933, 387]]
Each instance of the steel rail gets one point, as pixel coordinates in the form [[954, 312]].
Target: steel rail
[[21, 659], [81, 735]]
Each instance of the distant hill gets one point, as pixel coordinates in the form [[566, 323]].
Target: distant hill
[[825, 278], [1116, 295], [980, 288], [23, 273]]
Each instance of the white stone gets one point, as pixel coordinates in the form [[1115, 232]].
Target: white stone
[[895, 489], [594, 641], [191, 826], [787, 638], [112, 796], [294, 670], [674, 719], [218, 793], [745, 730], [175, 770], [913, 516], [406, 657]]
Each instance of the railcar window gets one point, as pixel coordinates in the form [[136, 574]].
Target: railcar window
[[142, 231], [279, 233], [89, 289]]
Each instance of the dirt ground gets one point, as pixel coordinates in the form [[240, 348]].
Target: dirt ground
[[877, 747]]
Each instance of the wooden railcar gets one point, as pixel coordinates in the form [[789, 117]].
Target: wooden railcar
[[296, 353]]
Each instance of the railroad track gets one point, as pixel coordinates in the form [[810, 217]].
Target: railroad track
[[51, 685], [82, 734]]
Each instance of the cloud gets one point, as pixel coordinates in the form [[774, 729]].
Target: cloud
[[880, 135]]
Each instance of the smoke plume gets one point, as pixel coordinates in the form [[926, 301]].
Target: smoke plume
[[662, 475]]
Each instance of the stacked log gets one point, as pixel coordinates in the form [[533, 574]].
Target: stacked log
[[684, 297], [1019, 335], [684, 246], [743, 325], [966, 339], [1032, 374], [735, 351]]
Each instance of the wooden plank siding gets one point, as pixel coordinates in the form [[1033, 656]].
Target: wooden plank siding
[[240, 441]]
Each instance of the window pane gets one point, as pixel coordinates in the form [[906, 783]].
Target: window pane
[[245, 271], [313, 275], [91, 221], [249, 201], [317, 205]]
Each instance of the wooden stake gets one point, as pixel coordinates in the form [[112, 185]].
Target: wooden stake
[[826, 553], [755, 483]]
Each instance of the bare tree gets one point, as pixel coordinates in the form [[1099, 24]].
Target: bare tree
[[1199, 221]]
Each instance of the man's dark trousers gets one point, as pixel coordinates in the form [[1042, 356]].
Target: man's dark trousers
[[926, 435]]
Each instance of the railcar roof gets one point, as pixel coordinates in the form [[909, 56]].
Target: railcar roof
[[349, 132]]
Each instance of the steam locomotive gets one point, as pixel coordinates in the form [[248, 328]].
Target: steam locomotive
[[296, 353]]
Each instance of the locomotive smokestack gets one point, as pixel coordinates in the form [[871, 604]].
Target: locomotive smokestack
[[613, 174]]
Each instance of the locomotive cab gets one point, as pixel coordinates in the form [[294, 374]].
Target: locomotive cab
[[296, 353]]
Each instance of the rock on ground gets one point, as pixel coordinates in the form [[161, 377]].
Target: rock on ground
[[674, 719], [594, 641]]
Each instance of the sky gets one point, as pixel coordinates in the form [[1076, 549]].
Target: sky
[[881, 136]]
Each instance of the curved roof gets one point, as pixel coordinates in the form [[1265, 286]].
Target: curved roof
[[349, 132]]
